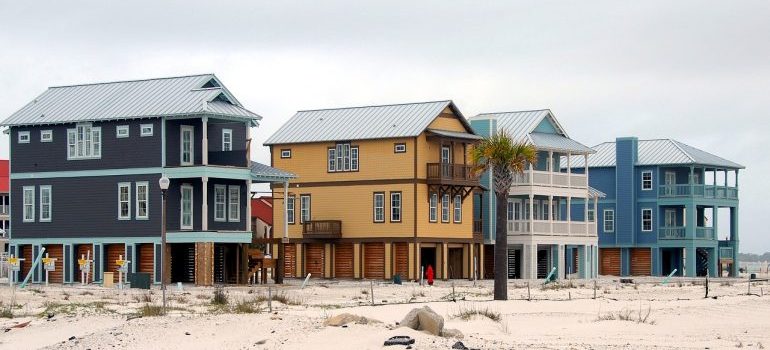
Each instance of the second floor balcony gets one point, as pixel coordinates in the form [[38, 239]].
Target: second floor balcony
[[550, 179], [553, 228], [451, 174], [236, 158], [697, 190], [322, 229], [680, 232]]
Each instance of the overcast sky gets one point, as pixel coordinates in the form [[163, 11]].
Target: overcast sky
[[697, 72]]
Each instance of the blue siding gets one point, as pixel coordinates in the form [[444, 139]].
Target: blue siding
[[625, 215], [486, 128], [546, 126], [651, 193], [603, 179]]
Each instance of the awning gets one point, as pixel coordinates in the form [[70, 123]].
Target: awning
[[265, 173]]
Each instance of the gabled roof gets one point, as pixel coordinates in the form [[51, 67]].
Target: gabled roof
[[522, 126], [173, 96], [262, 208], [361, 123], [656, 152]]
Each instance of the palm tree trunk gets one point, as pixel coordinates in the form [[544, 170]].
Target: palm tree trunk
[[501, 247]]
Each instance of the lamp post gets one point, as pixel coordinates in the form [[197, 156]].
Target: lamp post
[[163, 182]]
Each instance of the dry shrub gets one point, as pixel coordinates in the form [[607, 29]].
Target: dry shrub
[[469, 312]]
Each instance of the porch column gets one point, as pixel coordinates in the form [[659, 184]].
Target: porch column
[[550, 213], [530, 261], [248, 205], [569, 215], [582, 268], [531, 213], [205, 204], [549, 168], [569, 169], [205, 141], [690, 259], [585, 213], [585, 168], [715, 221], [561, 273], [285, 212], [736, 178], [691, 221], [726, 183]]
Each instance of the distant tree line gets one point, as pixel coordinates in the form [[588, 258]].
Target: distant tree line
[[749, 257]]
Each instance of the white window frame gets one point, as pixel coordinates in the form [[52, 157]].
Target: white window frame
[[285, 153], [591, 215], [23, 137], [399, 148], [28, 216], [396, 202], [645, 211], [354, 159], [146, 200], [183, 189], [43, 218], [304, 208], [127, 186], [122, 128], [670, 218], [143, 132], [445, 208], [182, 130], [84, 142], [457, 209], [227, 140], [290, 204], [646, 184], [233, 215], [342, 157], [44, 133], [611, 220], [379, 208], [331, 156], [220, 203], [433, 211]]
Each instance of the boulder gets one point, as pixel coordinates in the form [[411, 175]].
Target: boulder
[[345, 318], [452, 333], [424, 319]]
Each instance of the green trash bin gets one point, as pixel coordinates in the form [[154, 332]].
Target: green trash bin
[[139, 280], [397, 279]]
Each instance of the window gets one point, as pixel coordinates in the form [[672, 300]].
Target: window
[[446, 155], [290, 210], [379, 207], [220, 193], [510, 210], [647, 220], [142, 202], [285, 153], [124, 201], [395, 206], [186, 145], [145, 130], [84, 142], [399, 148], [304, 208], [458, 209], [234, 204], [445, 208], [545, 210], [29, 203], [121, 131], [186, 207], [46, 135], [227, 139], [342, 157], [433, 207], [45, 203], [609, 220], [23, 136], [646, 180], [591, 215]]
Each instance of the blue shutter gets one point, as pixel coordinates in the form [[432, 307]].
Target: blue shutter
[[37, 272], [67, 264], [130, 257], [98, 262]]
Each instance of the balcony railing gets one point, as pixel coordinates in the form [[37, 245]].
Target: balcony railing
[[4, 209], [550, 179], [477, 230], [545, 227], [725, 252], [704, 232], [322, 229], [698, 190], [452, 174], [228, 158], [671, 232]]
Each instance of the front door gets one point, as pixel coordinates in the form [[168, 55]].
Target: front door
[[446, 160], [670, 181], [515, 215], [186, 145], [670, 217]]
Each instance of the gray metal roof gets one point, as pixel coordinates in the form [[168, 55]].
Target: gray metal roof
[[174, 96], [262, 172], [596, 193], [455, 134], [359, 123], [656, 152], [521, 127]]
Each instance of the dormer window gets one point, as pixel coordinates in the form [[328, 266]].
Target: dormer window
[[84, 142]]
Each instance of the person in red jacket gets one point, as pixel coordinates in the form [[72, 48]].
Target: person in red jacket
[[429, 274]]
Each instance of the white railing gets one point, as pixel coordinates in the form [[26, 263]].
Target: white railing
[[546, 227], [548, 178]]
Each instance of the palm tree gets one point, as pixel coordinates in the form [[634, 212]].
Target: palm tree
[[505, 158]]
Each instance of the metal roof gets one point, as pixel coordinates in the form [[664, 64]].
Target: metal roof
[[596, 193], [173, 96], [521, 127], [656, 152], [359, 123], [266, 173], [455, 134]]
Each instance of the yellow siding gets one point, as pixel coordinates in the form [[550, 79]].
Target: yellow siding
[[425, 228], [444, 123]]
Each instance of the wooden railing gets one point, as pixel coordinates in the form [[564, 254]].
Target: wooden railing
[[322, 229], [697, 190], [452, 174]]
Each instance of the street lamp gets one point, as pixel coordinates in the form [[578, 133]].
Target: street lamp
[[163, 182]]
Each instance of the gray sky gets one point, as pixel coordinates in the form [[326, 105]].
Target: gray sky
[[698, 72]]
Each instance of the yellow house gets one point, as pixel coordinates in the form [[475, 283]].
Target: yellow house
[[380, 190]]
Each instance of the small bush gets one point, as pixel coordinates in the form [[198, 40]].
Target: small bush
[[220, 297], [6, 312], [149, 310], [726, 284], [364, 291], [246, 307], [146, 298], [202, 297], [181, 300], [467, 313], [285, 299], [628, 315], [86, 293]]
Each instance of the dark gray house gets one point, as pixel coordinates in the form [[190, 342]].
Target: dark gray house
[[85, 163]]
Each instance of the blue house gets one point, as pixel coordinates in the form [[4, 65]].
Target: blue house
[[85, 167], [665, 202]]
